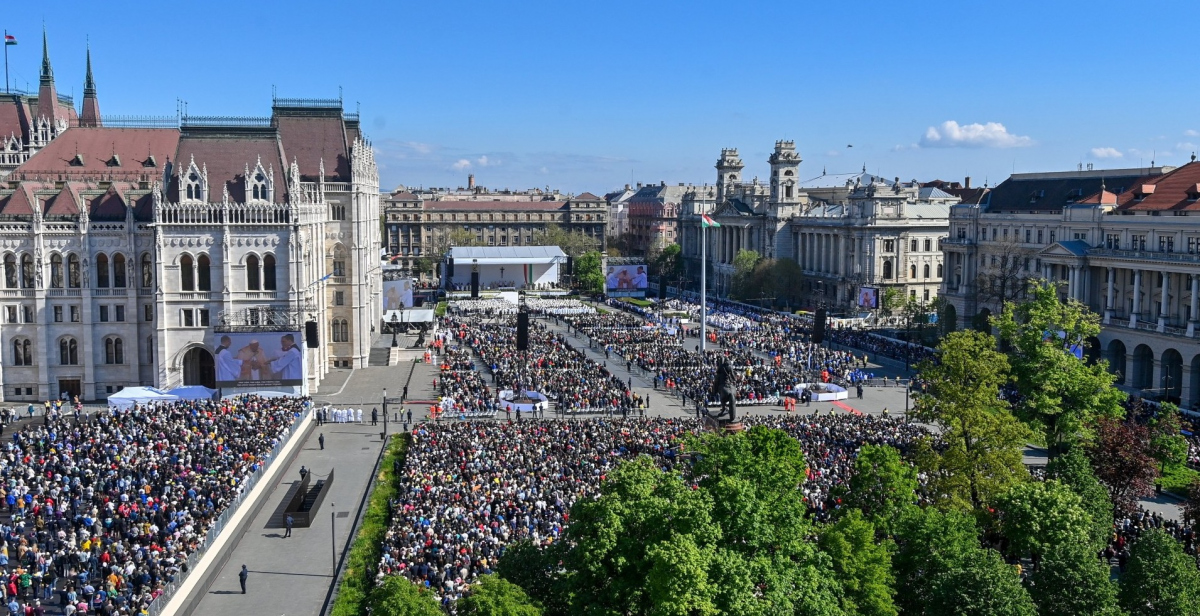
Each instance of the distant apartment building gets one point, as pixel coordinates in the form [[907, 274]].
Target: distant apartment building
[[618, 211], [1125, 242], [654, 215], [420, 221]]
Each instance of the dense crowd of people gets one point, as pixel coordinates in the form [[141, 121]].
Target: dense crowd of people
[[101, 511], [468, 489]]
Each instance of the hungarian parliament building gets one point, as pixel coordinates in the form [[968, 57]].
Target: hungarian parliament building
[[132, 247]]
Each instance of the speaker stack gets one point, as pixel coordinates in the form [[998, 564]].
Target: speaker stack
[[522, 331], [818, 335], [310, 335]]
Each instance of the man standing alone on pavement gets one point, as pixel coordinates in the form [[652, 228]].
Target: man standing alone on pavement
[[321, 440], [288, 524], [374, 416], [242, 578]]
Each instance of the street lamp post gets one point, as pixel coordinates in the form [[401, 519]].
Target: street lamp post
[[333, 537], [395, 326], [383, 435]]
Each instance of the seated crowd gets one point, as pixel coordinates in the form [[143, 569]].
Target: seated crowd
[[103, 511]]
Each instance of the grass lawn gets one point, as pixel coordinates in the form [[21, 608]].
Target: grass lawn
[[643, 303], [440, 310], [1178, 479]]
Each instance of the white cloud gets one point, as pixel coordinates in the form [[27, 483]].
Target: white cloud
[[544, 171], [953, 135], [830, 153], [1106, 153], [461, 164], [1185, 145], [1191, 132], [484, 161]]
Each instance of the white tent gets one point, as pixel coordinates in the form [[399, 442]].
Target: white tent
[[129, 396], [193, 392]]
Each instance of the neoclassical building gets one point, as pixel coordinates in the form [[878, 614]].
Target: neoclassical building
[[128, 249], [1125, 242], [844, 230]]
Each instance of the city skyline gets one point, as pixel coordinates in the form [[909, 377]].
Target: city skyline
[[591, 98]]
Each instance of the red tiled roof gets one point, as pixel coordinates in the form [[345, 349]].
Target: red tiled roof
[[19, 203], [14, 118], [587, 196], [402, 196], [64, 203], [498, 206], [109, 206], [96, 146], [1174, 191], [311, 139], [226, 156]]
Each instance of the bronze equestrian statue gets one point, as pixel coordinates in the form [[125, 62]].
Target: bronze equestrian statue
[[723, 389]]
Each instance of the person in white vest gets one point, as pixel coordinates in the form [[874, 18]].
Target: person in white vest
[[358, 415]]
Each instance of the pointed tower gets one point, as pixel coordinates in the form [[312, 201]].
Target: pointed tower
[[91, 106], [47, 94]]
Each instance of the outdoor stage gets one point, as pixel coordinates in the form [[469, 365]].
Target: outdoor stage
[[502, 267]]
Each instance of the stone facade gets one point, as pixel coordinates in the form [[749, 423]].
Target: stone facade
[[1124, 242], [124, 249]]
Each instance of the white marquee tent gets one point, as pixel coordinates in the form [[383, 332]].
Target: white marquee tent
[[129, 396]]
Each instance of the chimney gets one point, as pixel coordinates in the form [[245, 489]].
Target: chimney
[[967, 182], [471, 181]]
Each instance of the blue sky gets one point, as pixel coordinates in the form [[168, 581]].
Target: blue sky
[[590, 96]]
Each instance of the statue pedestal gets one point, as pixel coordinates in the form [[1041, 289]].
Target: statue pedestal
[[734, 428]]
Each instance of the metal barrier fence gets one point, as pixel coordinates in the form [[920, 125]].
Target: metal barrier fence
[[171, 588]]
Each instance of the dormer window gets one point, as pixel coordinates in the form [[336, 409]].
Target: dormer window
[[260, 185], [77, 161], [193, 186], [1193, 192], [115, 161], [1143, 191], [149, 162]]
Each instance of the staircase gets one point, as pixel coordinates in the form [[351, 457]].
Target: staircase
[[379, 356], [311, 497]]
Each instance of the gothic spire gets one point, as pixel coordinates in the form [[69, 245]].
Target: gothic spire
[[47, 70], [89, 84]]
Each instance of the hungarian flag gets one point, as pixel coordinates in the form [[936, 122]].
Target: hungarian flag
[[707, 221], [10, 39]]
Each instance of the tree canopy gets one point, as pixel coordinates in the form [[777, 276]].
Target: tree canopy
[[397, 596], [1160, 579], [1061, 395], [980, 456], [589, 272]]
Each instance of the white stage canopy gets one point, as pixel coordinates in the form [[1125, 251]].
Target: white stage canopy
[[129, 396], [193, 392], [464, 256]]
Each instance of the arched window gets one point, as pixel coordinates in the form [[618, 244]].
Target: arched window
[[114, 351], [73, 280], [269, 272], [147, 270], [887, 270], [926, 270], [68, 352], [27, 271], [119, 270], [187, 277], [204, 273], [56, 271], [912, 271], [102, 271], [939, 272], [10, 271], [252, 273], [340, 330], [22, 352]]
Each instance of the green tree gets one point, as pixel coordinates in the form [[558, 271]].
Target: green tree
[[743, 269], [573, 243], [668, 263], [982, 585], [495, 596], [589, 272], [1071, 581], [1061, 395], [882, 486], [1075, 471], [1160, 579], [1191, 508], [1038, 515], [981, 448], [1121, 459], [861, 565], [929, 543], [890, 300], [397, 596], [1167, 445], [735, 542], [535, 570]]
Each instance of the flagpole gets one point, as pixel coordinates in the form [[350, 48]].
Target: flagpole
[[703, 286], [6, 90]]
